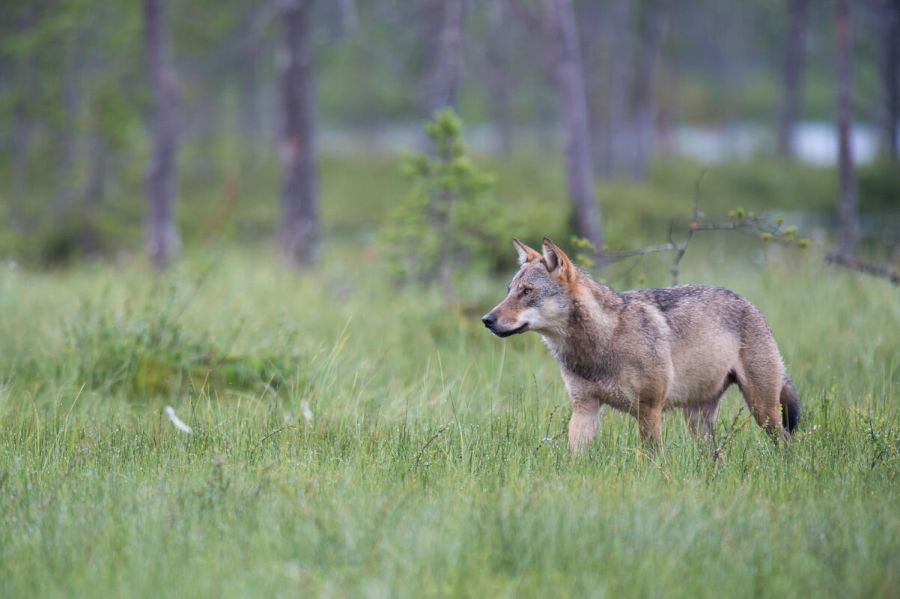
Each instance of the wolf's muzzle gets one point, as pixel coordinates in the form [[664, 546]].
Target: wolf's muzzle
[[490, 321]]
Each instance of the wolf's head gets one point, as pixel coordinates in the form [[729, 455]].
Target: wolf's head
[[539, 297]]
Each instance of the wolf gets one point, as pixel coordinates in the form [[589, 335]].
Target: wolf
[[647, 350]]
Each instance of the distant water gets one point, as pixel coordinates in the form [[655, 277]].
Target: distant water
[[815, 142]]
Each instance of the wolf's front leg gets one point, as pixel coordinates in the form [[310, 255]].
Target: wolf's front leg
[[583, 424]]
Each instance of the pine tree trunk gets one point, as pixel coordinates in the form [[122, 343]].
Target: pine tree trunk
[[498, 51], [794, 63], [573, 101], [848, 209], [669, 105], [21, 142], [299, 186], [162, 237], [25, 90], [648, 59], [249, 110], [890, 75], [65, 189], [619, 83], [596, 51], [349, 16], [444, 82], [93, 194]]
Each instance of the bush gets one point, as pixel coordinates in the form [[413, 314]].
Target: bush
[[148, 353]]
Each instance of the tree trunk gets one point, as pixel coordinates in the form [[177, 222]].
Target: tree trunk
[[619, 84], [299, 202], [162, 237], [794, 63], [498, 51], [93, 194], [349, 16], [65, 189], [668, 115], [21, 142], [573, 101], [596, 51], [848, 211], [648, 59], [24, 94], [249, 107], [444, 82], [890, 73]]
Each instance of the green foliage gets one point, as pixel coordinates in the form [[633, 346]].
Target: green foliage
[[147, 352], [450, 214], [583, 249]]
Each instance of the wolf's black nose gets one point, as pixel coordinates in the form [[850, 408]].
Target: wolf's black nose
[[488, 320]]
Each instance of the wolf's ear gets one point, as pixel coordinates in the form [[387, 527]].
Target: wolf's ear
[[555, 258], [526, 254]]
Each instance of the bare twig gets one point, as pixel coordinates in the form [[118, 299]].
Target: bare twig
[[748, 225], [272, 434], [439, 432], [649, 249], [863, 267]]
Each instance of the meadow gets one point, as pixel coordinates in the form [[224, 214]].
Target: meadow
[[354, 437]]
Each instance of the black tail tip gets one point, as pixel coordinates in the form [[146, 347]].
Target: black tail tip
[[790, 407]]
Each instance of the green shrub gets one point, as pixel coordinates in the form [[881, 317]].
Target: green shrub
[[147, 352]]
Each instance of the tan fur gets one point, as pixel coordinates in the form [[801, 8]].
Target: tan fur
[[645, 351]]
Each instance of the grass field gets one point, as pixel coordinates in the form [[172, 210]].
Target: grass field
[[433, 464]]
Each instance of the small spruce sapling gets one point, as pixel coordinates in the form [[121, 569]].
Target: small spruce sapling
[[449, 216]]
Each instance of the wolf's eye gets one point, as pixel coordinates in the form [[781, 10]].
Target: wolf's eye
[[525, 291]]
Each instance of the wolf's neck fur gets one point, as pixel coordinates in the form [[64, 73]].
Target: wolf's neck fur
[[584, 344]]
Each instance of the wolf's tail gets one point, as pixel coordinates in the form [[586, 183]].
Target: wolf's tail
[[790, 405]]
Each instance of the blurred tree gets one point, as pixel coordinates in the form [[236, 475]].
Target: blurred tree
[[577, 131], [889, 20], [445, 72], [848, 208], [652, 24], [602, 49], [68, 130], [499, 52], [114, 103], [349, 16], [621, 46], [20, 46], [162, 236], [20, 142], [299, 201], [792, 72], [250, 82]]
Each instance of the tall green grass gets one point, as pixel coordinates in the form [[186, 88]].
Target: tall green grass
[[434, 463]]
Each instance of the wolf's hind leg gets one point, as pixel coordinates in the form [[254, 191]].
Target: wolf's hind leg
[[583, 424], [701, 420]]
